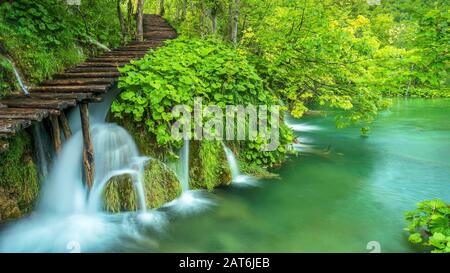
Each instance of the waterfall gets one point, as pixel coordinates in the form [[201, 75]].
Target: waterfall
[[183, 172], [41, 144], [19, 80], [236, 176], [190, 201], [67, 212], [232, 162], [115, 154]]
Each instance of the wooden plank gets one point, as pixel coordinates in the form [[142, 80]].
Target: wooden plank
[[129, 54], [87, 75], [71, 89], [107, 59], [39, 103], [92, 69], [103, 64], [130, 49], [55, 95], [23, 113], [80, 81]]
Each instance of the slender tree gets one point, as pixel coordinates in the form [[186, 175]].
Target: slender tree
[[123, 27], [139, 20], [234, 20], [162, 10]]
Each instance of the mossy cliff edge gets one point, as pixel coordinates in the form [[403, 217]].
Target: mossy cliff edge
[[19, 184]]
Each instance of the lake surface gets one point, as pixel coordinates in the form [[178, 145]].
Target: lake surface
[[341, 193]]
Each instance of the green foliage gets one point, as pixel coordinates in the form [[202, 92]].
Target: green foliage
[[18, 175], [46, 36], [421, 29], [184, 69], [430, 225]]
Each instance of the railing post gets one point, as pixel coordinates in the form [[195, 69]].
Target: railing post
[[65, 126], [88, 148], [56, 133]]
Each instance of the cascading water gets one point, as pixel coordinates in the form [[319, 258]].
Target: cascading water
[[67, 213], [42, 153], [116, 154], [190, 201], [19, 80], [237, 177], [304, 144], [184, 166]]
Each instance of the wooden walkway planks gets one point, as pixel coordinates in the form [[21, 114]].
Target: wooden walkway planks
[[86, 82]]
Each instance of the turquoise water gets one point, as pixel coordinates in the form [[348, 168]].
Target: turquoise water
[[341, 193]]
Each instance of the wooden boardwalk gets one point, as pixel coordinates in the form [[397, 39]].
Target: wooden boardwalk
[[85, 83]]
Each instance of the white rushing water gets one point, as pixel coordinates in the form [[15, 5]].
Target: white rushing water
[[183, 172], [67, 214], [190, 201], [237, 177], [18, 77], [41, 144]]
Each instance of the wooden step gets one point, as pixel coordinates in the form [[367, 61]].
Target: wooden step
[[80, 81], [71, 75], [103, 64], [100, 88], [110, 59], [34, 114], [92, 69], [72, 96], [131, 49], [160, 35], [39, 103], [123, 53]]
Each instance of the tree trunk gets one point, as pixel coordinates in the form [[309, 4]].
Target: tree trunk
[[234, 22], [88, 148], [202, 20], [123, 28], [162, 11], [213, 21], [139, 20], [130, 18]]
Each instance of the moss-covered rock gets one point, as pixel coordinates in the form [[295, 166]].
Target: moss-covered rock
[[208, 166], [19, 184], [161, 186]]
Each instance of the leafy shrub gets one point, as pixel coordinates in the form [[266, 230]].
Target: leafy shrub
[[46, 36], [181, 71], [430, 225]]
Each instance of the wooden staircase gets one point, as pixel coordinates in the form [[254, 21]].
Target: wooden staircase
[[87, 82]]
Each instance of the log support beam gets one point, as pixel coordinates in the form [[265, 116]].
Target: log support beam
[[56, 133], [88, 148], [65, 126]]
